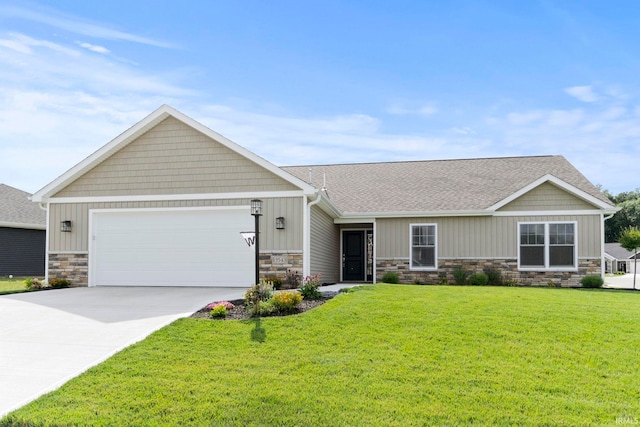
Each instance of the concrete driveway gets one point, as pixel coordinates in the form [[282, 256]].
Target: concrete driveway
[[621, 282], [49, 337]]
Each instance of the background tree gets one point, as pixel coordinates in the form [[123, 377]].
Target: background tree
[[628, 216], [630, 240]]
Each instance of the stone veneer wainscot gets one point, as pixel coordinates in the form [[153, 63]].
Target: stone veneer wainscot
[[508, 268], [73, 267]]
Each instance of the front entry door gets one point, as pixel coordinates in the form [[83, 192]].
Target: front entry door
[[353, 256]]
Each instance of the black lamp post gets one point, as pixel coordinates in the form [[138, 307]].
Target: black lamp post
[[256, 211]]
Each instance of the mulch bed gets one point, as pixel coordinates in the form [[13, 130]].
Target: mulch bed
[[240, 312]]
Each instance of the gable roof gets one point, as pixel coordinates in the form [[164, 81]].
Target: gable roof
[[445, 186], [17, 211], [142, 127], [615, 251]]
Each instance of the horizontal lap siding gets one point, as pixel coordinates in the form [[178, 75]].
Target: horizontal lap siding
[[480, 237], [271, 239], [173, 158], [22, 252], [325, 246], [547, 197]]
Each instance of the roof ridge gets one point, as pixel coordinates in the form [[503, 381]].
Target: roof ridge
[[425, 161]]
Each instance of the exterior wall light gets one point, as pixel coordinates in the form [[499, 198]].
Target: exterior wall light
[[65, 226], [280, 223]]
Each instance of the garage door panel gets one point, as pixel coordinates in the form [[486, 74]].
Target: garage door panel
[[172, 248]]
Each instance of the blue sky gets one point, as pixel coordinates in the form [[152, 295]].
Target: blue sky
[[327, 81]]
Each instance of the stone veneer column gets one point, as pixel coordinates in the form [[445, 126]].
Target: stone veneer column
[[73, 267]]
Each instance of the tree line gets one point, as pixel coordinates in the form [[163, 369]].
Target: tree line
[[627, 216]]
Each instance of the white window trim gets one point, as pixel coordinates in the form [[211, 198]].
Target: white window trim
[[547, 245], [435, 247]]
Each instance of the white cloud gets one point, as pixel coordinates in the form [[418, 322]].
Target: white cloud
[[582, 93], [75, 24], [94, 48]]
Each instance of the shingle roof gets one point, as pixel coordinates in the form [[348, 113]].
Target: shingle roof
[[18, 210], [437, 185], [617, 251]]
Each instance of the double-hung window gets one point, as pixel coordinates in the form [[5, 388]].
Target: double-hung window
[[423, 251], [547, 246]]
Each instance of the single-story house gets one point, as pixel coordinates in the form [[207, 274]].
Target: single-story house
[[618, 259], [22, 234], [167, 202]]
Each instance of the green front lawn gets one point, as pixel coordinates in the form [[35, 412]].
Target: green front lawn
[[11, 285], [385, 355]]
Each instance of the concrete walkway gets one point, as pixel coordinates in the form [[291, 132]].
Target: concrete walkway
[[49, 337], [621, 282]]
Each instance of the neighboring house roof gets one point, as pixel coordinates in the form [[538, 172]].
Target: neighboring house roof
[[17, 211], [443, 185], [615, 251]]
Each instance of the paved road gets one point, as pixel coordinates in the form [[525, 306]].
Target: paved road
[[49, 337]]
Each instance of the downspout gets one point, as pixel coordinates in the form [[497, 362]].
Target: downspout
[[603, 261], [306, 256], [46, 240]]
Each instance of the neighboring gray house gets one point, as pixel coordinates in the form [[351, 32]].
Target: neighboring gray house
[[618, 259], [165, 202], [22, 234]]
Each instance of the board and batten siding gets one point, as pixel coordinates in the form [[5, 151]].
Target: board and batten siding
[[289, 239], [547, 197], [324, 246], [173, 158], [480, 237], [22, 252]]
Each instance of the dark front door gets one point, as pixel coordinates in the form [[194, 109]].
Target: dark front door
[[353, 256]]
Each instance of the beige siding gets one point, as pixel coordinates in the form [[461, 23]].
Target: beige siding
[[289, 239], [325, 246], [479, 237], [547, 197], [173, 158]]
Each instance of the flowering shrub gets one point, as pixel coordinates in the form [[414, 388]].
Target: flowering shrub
[[33, 284], [310, 285], [59, 283], [286, 302], [219, 309]]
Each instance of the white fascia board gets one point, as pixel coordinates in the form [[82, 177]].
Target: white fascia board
[[25, 226], [560, 183], [171, 197], [329, 207], [409, 214], [547, 213], [143, 126]]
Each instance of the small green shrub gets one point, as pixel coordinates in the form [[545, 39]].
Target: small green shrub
[[310, 285], [275, 281], [219, 311], [592, 281], [257, 293], [286, 302], [262, 308], [59, 283], [494, 276], [390, 277], [478, 279], [460, 275], [32, 284]]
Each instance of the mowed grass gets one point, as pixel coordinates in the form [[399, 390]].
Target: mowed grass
[[11, 285], [385, 355]]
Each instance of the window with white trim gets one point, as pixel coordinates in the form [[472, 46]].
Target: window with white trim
[[547, 246], [423, 251]]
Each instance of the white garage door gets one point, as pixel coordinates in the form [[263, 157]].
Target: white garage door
[[171, 248]]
